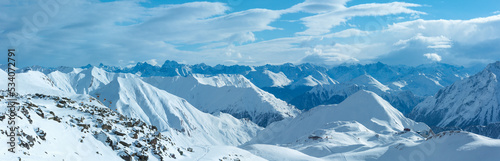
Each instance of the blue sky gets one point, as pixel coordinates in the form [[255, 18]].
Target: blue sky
[[250, 32]]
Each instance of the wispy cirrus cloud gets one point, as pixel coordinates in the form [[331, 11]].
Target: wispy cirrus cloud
[[94, 31], [79, 32], [333, 13]]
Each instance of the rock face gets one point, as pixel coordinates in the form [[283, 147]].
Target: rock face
[[82, 129], [474, 101], [129, 95]]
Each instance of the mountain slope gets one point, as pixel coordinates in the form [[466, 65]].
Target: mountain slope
[[131, 96], [364, 107], [81, 80], [404, 101], [469, 102], [61, 128], [362, 121], [31, 82], [233, 94], [454, 145]]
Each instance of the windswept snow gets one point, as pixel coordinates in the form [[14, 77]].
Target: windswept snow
[[371, 83], [131, 96], [454, 145], [233, 94], [32, 82], [364, 127], [362, 122], [365, 109], [278, 79]]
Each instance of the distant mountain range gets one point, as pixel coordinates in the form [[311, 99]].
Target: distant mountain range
[[308, 85], [271, 112]]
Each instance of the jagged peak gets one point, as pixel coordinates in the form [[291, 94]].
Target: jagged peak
[[494, 67], [170, 63]]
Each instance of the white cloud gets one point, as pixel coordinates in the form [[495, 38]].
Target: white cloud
[[89, 31], [242, 37], [325, 20], [195, 23], [461, 42], [153, 62], [433, 57], [437, 42], [86, 31], [318, 6], [317, 56], [348, 33]]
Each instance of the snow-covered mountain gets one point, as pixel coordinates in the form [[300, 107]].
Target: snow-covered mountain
[[61, 128], [233, 94], [469, 102], [423, 80], [128, 94], [131, 96], [364, 108], [364, 127], [362, 122], [290, 82], [178, 111], [80, 127], [32, 82], [404, 101]]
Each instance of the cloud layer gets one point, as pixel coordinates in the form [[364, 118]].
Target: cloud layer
[[78, 32]]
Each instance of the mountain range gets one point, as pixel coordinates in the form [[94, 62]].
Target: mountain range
[[270, 112], [472, 103], [296, 84]]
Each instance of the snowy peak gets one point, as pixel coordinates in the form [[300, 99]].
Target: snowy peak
[[267, 78], [228, 93], [81, 80], [364, 107], [278, 79], [469, 102], [372, 111], [363, 120], [51, 127], [130, 95], [32, 82], [372, 83], [315, 79], [494, 68], [223, 80]]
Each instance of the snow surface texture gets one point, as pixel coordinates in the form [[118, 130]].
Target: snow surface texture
[[59, 128], [363, 108], [364, 127], [469, 102], [233, 94], [129, 95]]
